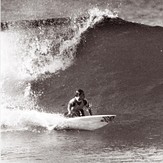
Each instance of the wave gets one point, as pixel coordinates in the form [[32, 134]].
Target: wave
[[34, 48], [118, 63]]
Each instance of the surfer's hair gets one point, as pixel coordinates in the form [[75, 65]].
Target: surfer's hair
[[79, 92]]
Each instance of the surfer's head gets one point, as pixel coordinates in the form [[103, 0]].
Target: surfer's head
[[79, 95]]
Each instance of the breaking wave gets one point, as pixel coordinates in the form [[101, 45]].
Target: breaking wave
[[31, 49]]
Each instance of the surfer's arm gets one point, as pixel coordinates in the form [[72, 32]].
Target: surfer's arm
[[88, 107], [70, 106], [90, 111]]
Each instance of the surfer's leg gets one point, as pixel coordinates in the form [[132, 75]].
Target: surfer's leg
[[73, 114], [76, 114], [82, 112]]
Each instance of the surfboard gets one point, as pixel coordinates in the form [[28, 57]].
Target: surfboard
[[86, 122]]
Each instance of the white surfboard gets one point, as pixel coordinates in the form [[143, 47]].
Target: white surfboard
[[86, 122]]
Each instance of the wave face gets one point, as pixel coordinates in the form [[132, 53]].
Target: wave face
[[119, 65]]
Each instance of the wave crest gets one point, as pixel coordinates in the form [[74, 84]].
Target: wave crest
[[28, 53]]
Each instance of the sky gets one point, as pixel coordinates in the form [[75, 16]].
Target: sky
[[143, 11]]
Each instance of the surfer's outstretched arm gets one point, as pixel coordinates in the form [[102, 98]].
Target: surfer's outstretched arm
[[90, 111]]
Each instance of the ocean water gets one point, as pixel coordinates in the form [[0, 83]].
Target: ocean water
[[110, 51]]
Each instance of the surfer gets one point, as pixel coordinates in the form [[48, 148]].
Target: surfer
[[77, 104]]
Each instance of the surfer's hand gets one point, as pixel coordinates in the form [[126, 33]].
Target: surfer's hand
[[69, 113]]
